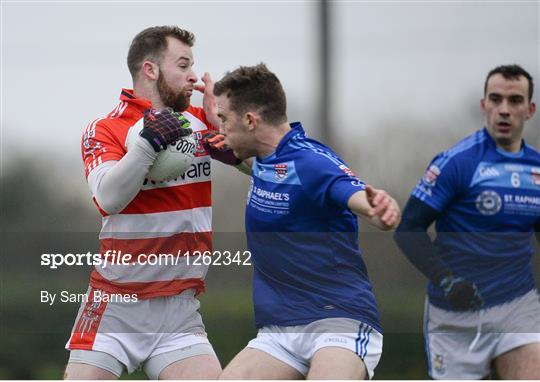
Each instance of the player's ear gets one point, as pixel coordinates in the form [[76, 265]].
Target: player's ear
[[483, 105], [251, 120], [532, 110], [150, 70]]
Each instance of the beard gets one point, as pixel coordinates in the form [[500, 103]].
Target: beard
[[178, 101], [509, 138]]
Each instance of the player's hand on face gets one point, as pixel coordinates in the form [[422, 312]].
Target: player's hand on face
[[384, 207], [209, 100], [214, 143], [161, 128]]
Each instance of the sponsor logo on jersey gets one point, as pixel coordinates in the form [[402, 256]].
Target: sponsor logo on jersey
[[424, 189], [89, 135], [488, 203], [280, 171], [259, 171], [270, 195], [337, 340], [431, 175], [347, 170], [197, 171], [199, 150], [535, 174], [514, 168], [489, 172]]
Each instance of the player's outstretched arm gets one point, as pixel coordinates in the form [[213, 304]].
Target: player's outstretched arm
[[379, 208], [412, 238]]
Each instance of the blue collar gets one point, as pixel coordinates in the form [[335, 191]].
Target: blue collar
[[505, 153], [296, 129]]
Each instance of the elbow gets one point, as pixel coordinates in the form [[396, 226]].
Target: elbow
[[406, 232], [107, 206], [400, 234]]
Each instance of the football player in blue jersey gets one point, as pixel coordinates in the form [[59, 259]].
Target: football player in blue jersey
[[483, 308], [314, 306]]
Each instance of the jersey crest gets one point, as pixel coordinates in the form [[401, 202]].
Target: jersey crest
[[280, 171]]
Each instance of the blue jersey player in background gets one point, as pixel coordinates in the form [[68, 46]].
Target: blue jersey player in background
[[314, 307], [483, 308]]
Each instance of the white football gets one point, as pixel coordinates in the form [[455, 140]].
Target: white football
[[171, 162]]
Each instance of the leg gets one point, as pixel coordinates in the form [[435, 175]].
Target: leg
[[192, 356], [83, 371], [88, 364], [519, 363], [255, 364], [197, 361], [518, 353], [336, 363], [352, 352], [197, 367]]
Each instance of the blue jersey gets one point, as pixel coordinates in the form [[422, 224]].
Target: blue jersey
[[489, 202], [303, 237]]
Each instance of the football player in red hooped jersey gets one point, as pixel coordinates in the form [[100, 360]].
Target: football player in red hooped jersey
[[140, 314]]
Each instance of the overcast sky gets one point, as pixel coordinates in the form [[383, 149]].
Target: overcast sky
[[394, 63]]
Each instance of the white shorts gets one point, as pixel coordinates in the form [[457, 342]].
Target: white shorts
[[150, 333], [461, 345], [296, 345]]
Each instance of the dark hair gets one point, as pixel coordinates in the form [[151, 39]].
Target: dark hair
[[511, 72], [254, 87], [151, 43]]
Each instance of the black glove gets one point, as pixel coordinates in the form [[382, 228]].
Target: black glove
[[161, 128], [213, 142], [460, 293]]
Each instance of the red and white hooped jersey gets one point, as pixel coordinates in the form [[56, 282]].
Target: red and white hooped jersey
[[172, 217]]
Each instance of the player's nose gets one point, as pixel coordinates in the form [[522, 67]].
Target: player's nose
[[192, 77], [503, 108]]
